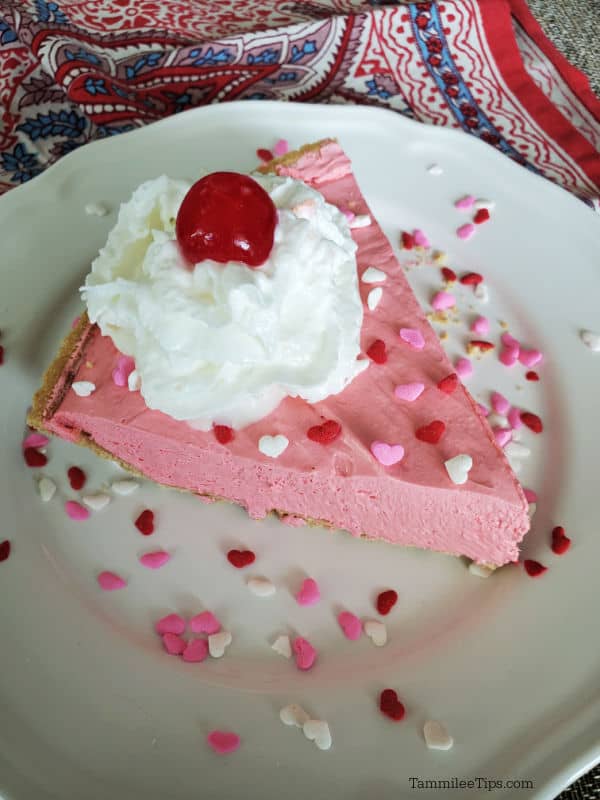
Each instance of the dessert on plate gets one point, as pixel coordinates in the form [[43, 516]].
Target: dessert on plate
[[254, 339]]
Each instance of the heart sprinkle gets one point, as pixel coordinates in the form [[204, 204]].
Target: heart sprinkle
[[502, 436], [273, 446], [376, 631], [124, 487], [530, 495], [471, 279], [350, 624], [481, 216], [218, 643], [465, 203], [35, 440], [466, 231], [4, 550], [479, 346], [386, 601], [431, 433], [442, 301], [509, 356], [124, 368], [304, 653], [47, 489], [387, 454], [412, 337], [560, 542], [458, 468], [591, 340], [317, 731], [464, 368], [282, 646], [533, 568], [409, 391], [77, 478], [448, 274], [529, 358], [281, 147], [223, 434], [532, 421], [373, 275], [390, 705], [223, 742], [110, 582], [377, 352], [325, 433], [172, 623], [309, 593], [173, 644], [83, 388], [360, 221], [531, 375], [420, 239], [514, 418], [374, 297], [241, 558], [145, 522], [76, 511], [449, 384], [264, 154], [96, 501], [155, 560], [407, 240], [481, 326], [196, 651], [261, 587], [436, 736], [293, 714], [205, 622], [499, 403], [33, 458]]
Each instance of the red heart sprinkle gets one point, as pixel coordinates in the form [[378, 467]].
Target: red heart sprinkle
[[431, 433], [145, 522], [449, 384], [386, 601], [390, 705], [532, 375], [532, 421], [408, 241], [534, 568], [481, 216], [560, 542], [77, 478], [241, 558], [377, 352], [33, 458], [481, 345], [471, 279], [223, 434], [325, 433], [448, 274], [4, 550], [264, 154]]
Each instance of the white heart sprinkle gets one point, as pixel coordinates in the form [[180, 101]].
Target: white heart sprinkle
[[261, 587], [96, 210], [317, 731], [96, 501], [273, 446], [47, 489], [282, 646], [376, 631], [373, 275], [482, 293], [124, 487], [436, 736], [517, 450], [435, 169], [481, 202], [532, 509], [374, 297], [496, 420], [134, 382], [360, 221], [83, 388], [218, 643], [293, 715], [481, 570], [591, 340], [458, 468]]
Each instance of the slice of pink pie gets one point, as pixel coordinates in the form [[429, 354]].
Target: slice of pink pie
[[395, 456]]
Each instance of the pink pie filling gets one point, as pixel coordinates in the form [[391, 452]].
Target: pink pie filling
[[412, 502]]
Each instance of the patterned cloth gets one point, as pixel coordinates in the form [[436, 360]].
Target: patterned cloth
[[77, 70]]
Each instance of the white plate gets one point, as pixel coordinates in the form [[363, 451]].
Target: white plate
[[91, 705]]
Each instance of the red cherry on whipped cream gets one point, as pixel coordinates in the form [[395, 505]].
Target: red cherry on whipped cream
[[226, 216]]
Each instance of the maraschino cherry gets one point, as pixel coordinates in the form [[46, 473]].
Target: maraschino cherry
[[226, 216]]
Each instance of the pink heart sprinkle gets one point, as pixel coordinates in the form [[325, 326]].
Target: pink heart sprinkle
[[499, 403], [155, 560], [409, 391], [514, 418], [172, 623], [510, 341], [195, 651], [110, 582], [304, 653], [509, 356], [347, 213], [173, 644], [502, 436], [281, 147], [223, 742], [463, 367], [76, 511], [125, 366], [443, 300], [529, 358], [205, 622], [413, 337], [309, 593], [35, 440], [484, 409], [466, 231], [481, 325], [530, 495], [350, 625], [387, 454], [465, 203], [420, 238]]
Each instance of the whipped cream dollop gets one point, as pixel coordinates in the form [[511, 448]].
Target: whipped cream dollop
[[223, 343]]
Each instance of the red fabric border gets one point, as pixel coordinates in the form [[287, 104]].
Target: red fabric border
[[497, 22]]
